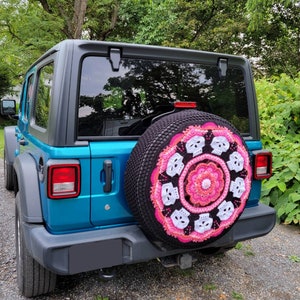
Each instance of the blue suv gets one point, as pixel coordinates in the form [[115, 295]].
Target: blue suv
[[125, 153]]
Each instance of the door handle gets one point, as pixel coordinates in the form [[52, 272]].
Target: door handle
[[107, 167], [23, 142]]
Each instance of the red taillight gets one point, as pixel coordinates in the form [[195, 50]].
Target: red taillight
[[63, 181], [262, 164], [181, 104]]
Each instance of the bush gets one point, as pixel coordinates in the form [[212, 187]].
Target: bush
[[279, 105]]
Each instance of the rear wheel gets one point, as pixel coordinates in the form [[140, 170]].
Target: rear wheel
[[8, 174], [33, 279]]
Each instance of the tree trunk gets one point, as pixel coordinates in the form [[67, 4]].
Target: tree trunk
[[78, 18]]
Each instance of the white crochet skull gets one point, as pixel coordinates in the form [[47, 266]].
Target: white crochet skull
[[180, 218], [236, 162], [195, 145], [220, 144], [204, 223], [225, 210], [237, 187], [175, 165], [169, 193]]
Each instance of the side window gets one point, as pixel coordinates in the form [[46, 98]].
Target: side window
[[43, 96], [29, 96]]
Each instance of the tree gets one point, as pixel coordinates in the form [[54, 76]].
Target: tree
[[71, 13], [5, 83], [268, 31], [26, 31], [275, 30]]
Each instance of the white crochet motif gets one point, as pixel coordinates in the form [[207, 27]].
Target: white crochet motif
[[225, 210], [175, 165], [236, 162], [180, 218], [237, 187], [195, 145], [169, 193], [220, 144], [204, 223]]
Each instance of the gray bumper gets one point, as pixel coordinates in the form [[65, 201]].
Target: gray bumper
[[91, 250]]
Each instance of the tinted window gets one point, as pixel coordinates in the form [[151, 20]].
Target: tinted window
[[29, 95], [43, 97], [125, 102]]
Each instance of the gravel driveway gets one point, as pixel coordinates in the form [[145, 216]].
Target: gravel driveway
[[263, 268]]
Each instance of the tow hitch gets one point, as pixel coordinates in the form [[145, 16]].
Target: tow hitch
[[184, 261], [107, 274]]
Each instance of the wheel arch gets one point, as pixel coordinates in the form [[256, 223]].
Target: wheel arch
[[27, 185], [11, 144]]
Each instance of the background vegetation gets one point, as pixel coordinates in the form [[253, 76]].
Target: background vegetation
[[279, 104], [265, 31]]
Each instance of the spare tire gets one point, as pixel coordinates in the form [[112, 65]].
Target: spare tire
[[188, 178]]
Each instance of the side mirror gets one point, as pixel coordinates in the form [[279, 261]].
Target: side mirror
[[8, 107]]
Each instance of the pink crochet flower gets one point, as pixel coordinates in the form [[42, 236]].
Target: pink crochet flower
[[205, 184]]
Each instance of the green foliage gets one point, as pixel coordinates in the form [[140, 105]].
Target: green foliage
[[209, 287], [279, 105], [236, 295], [275, 36], [261, 29], [4, 80], [26, 31], [294, 258]]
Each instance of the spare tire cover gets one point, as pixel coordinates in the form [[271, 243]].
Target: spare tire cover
[[188, 178]]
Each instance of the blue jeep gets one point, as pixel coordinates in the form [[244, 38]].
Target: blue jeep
[[125, 153]]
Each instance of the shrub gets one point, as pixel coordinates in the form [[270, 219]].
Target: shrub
[[279, 105]]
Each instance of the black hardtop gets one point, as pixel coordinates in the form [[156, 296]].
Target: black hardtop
[[151, 51]]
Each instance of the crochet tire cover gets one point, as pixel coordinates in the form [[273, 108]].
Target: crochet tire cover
[[188, 179]]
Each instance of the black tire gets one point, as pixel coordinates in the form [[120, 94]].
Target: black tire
[[182, 195], [33, 279], [8, 174]]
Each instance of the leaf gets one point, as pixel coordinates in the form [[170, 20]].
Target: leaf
[[293, 167], [294, 197], [270, 183], [282, 186], [290, 207]]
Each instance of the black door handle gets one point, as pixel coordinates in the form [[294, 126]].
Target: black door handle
[[23, 142], [107, 166]]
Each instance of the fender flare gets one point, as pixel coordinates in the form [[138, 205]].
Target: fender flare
[[29, 205], [11, 144]]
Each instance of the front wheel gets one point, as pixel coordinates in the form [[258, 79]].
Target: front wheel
[[33, 279]]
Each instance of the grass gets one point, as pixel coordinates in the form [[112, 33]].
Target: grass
[[209, 287], [294, 258], [247, 250]]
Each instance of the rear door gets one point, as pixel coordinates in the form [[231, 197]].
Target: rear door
[[108, 204], [101, 121], [120, 97]]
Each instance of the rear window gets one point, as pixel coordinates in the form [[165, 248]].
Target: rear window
[[125, 102]]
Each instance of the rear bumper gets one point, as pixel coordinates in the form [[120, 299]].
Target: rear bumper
[[91, 250]]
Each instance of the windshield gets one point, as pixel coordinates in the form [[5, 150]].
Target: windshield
[[125, 102]]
